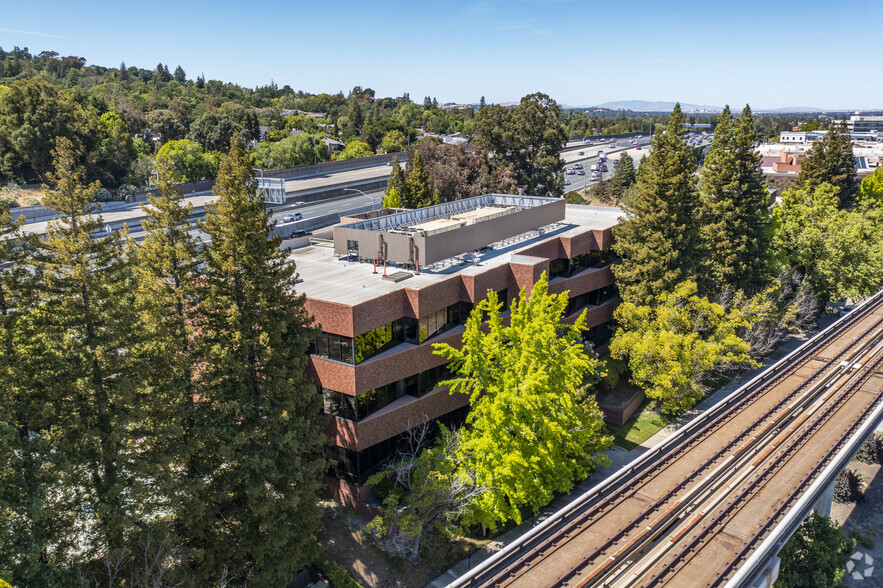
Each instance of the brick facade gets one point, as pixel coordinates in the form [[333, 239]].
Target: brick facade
[[407, 359]]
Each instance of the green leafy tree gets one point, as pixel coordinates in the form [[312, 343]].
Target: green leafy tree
[[624, 176], [419, 191], [841, 252], [529, 138], [115, 150], [180, 76], [83, 331], [189, 161], [213, 131], [391, 199], [831, 161], [32, 115], [261, 451], [166, 124], [734, 208], [527, 436], [679, 343], [815, 556], [291, 151], [658, 242], [355, 149], [394, 141], [871, 192]]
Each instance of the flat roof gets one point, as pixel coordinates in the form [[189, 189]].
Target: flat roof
[[324, 276]]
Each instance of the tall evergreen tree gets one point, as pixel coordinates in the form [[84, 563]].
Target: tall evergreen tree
[[481, 103], [418, 191], [34, 533], [734, 210], [831, 161], [624, 176], [355, 116], [83, 335], [658, 241], [261, 451], [397, 181], [165, 268], [180, 76]]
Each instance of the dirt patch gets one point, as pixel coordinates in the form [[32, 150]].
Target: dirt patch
[[22, 196], [864, 522], [370, 566]]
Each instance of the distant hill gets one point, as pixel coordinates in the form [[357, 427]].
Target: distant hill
[[648, 106]]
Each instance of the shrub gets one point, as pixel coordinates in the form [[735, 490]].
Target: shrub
[[334, 572], [848, 487], [8, 202], [872, 450]]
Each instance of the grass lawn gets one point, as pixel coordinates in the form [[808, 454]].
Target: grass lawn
[[639, 427]]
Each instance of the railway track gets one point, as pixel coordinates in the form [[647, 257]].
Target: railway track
[[645, 525]]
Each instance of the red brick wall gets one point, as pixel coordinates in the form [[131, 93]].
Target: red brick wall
[[353, 496]]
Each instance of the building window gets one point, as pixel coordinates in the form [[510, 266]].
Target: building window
[[356, 467], [336, 347], [356, 408], [593, 298], [565, 268], [367, 345]]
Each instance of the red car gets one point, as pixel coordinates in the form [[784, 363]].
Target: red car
[[638, 147]]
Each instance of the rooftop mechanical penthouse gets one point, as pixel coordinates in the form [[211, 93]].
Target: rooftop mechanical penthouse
[[395, 282]]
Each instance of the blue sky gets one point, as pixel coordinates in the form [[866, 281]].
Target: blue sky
[[769, 54]]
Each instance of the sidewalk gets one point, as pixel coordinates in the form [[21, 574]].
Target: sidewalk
[[620, 457]]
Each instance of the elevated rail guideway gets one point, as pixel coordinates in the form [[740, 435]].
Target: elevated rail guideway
[[693, 511]]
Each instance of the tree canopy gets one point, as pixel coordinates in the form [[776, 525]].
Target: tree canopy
[[815, 556], [658, 240], [678, 343], [528, 435]]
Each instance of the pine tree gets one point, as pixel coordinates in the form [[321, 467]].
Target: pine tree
[[35, 528], [734, 210], [355, 116], [481, 104], [397, 182], [418, 192], [260, 449], [831, 161], [624, 176], [180, 76], [165, 269], [659, 241], [83, 335]]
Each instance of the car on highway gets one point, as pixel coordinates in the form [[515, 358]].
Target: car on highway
[[297, 234], [578, 166], [569, 171], [298, 204], [595, 176], [581, 153], [615, 162], [580, 172], [638, 147], [566, 182], [603, 167], [290, 218]]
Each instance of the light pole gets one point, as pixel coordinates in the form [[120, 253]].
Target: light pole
[[363, 194]]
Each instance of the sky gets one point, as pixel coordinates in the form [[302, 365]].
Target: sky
[[580, 52]]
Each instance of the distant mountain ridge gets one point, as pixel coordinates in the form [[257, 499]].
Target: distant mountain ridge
[[656, 106]]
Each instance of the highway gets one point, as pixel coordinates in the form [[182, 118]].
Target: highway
[[313, 189]]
